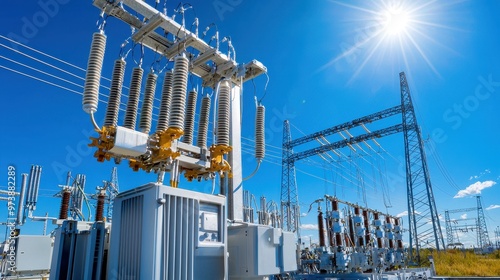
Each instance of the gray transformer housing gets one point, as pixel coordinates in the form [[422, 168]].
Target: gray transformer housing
[[257, 251], [161, 232]]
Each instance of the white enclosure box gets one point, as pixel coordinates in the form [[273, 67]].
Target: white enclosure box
[[34, 253], [129, 142], [166, 233], [256, 251]]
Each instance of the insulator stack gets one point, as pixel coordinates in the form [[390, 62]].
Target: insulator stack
[[115, 93], [179, 85], [99, 213], [223, 108], [351, 232], [356, 211], [321, 229], [260, 144], [166, 100], [93, 76], [201, 140], [367, 227], [63, 212], [330, 231], [360, 241], [335, 205], [147, 103], [133, 98], [338, 239], [189, 121]]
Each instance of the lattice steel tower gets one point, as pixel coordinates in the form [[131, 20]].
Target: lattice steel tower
[[289, 196], [482, 230], [421, 204]]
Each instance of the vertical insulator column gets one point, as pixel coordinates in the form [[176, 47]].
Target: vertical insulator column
[[93, 76], [37, 185], [201, 140], [99, 213], [133, 98], [352, 241], [115, 93], [389, 228], [398, 235], [166, 100], [321, 229], [179, 85], [63, 212], [367, 226], [335, 205], [330, 231], [22, 195], [147, 103], [260, 144], [189, 120], [223, 110], [378, 233], [338, 239]]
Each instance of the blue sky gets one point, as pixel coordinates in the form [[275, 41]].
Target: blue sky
[[329, 62]]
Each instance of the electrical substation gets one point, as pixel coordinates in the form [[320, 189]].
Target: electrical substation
[[160, 230]]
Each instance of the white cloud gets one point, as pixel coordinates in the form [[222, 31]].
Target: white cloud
[[309, 226], [303, 214], [493, 206], [405, 213], [402, 214], [481, 174], [464, 216], [475, 188]]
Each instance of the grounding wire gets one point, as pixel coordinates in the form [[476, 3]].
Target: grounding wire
[[40, 61], [60, 86], [40, 71], [47, 55]]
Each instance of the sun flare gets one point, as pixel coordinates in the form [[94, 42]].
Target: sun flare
[[395, 21], [397, 31]]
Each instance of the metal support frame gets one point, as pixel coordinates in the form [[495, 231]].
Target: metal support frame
[[290, 211], [482, 230], [421, 203]]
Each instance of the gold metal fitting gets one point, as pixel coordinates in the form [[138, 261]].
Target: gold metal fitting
[[104, 143], [217, 161], [165, 139]]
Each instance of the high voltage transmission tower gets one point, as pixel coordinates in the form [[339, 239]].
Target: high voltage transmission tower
[[452, 225], [421, 204]]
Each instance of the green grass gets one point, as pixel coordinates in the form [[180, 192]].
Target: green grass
[[460, 263]]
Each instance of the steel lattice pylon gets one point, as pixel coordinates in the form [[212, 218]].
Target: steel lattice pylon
[[482, 230], [449, 228], [113, 189], [289, 196], [421, 204]]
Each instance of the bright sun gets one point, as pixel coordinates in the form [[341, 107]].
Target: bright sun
[[391, 30], [395, 21]]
